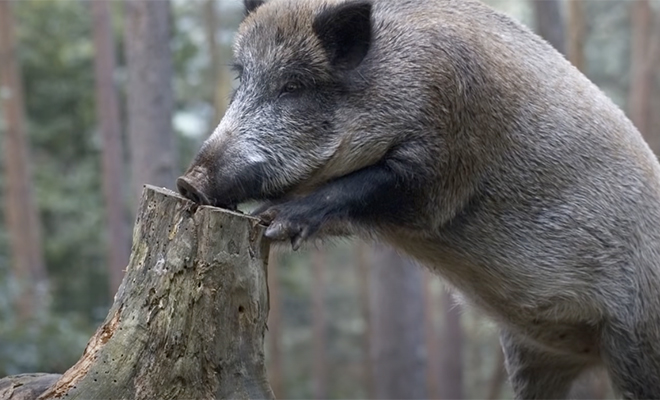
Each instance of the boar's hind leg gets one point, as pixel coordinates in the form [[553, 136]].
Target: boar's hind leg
[[536, 374], [381, 193], [632, 357]]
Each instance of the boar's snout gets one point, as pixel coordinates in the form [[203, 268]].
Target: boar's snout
[[189, 191], [192, 186]]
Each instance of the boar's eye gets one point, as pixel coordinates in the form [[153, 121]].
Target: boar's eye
[[290, 89], [238, 70]]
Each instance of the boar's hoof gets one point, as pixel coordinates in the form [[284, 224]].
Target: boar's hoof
[[288, 223], [189, 191]]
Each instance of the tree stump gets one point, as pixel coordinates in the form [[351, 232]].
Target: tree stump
[[188, 320]]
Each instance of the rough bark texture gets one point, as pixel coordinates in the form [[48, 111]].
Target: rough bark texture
[[26, 386], [398, 327], [150, 94], [189, 318], [21, 214], [107, 109]]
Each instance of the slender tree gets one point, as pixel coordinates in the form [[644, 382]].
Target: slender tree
[[149, 93], [432, 344], [654, 120], [107, 108], [577, 32], [218, 74], [549, 22], [400, 360], [21, 214], [451, 359], [363, 274], [498, 377], [319, 324], [275, 365], [642, 55]]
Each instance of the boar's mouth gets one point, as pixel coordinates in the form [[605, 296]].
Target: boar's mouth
[[227, 191]]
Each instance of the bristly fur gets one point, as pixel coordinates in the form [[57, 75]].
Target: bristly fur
[[466, 141]]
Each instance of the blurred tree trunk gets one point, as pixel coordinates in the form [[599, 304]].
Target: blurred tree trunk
[[363, 274], [276, 365], [218, 78], [21, 215], [577, 33], [451, 359], [549, 22], [641, 72], [431, 333], [149, 93], [498, 377], [594, 386], [400, 365], [655, 96], [107, 109], [319, 324]]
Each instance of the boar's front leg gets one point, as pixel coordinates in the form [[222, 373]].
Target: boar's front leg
[[384, 193]]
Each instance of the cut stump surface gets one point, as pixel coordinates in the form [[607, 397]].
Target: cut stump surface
[[189, 318]]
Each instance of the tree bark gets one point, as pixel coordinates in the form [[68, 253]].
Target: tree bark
[[400, 362], [549, 22], [26, 386], [21, 213], [189, 318], [149, 93], [107, 109]]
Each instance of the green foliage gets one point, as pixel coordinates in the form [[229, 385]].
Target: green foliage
[[56, 58], [48, 342]]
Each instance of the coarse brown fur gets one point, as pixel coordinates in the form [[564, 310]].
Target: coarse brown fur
[[468, 142]]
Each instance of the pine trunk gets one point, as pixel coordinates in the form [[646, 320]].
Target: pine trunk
[[21, 215], [149, 94], [400, 357], [641, 72], [451, 351], [549, 22], [319, 369], [577, 34], [107, 109]]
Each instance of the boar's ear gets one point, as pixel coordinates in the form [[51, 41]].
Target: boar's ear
[[345, 32], [251, 5]]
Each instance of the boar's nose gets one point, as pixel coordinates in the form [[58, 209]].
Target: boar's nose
[[189, 190]]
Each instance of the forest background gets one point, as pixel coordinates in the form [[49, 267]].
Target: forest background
[[99, 97]]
